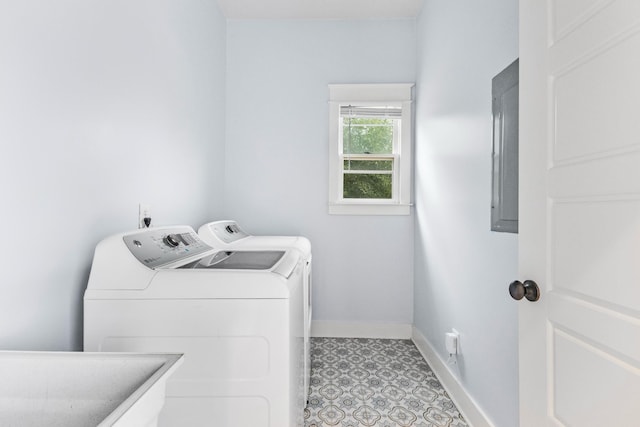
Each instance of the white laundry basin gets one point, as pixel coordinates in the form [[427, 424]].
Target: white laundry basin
[[83, 389]]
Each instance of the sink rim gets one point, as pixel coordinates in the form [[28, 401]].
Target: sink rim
[[167, 364]]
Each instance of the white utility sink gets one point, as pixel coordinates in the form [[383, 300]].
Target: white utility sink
[[75, 389]]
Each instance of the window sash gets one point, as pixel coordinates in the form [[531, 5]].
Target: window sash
[[394, 172], [345, 128], [392, 159]]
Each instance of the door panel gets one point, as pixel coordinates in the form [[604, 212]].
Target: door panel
[[584, 178], [585, 377], [568, 14], [608, 250], [580, 212], [597, 118], [608, 327]]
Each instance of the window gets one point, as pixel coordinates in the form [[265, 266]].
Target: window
[[370, 149]]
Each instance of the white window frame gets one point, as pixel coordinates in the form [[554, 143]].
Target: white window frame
[[396, 94]]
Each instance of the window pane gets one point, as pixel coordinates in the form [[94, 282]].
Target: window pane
[[368, 165], [362, 135], [367, 186]]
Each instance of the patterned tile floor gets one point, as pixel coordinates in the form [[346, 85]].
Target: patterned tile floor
[[360, 382]]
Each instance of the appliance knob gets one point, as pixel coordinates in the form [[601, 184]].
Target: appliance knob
[[172, 240]]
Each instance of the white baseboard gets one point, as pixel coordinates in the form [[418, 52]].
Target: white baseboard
[[322, 328], [469, 409]]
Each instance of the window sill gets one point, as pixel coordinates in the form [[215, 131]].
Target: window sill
[[369, 209]]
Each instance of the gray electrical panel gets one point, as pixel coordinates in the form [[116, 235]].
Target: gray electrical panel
[[504, 194]]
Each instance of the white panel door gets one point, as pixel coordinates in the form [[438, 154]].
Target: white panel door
[[580, 212]]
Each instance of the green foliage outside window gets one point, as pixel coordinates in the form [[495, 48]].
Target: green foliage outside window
[[364, 135], [367, 186]]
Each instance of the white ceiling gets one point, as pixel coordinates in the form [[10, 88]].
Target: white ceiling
[[320, 9]]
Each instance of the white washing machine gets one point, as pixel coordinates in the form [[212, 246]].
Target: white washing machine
[[237, 315], [228, 234]]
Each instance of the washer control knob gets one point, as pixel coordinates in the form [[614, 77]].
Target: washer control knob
[[171, 240]]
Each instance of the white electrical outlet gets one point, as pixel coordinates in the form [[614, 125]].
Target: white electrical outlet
[[457, 339], [452, 342], [144, 211]]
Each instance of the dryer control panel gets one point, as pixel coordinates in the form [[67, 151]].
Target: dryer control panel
[[227, 231], [157, 247]]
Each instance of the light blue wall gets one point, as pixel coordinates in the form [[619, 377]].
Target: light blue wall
[[277, 155], [462, 269], [107, 104], [103, 104]]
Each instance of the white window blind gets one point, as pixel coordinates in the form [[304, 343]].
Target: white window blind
[[371, 112]]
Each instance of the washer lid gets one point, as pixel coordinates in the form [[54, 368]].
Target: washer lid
[[238, 260]]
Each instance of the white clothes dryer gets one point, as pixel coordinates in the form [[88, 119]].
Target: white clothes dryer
[[228, 234], [237, 315]]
